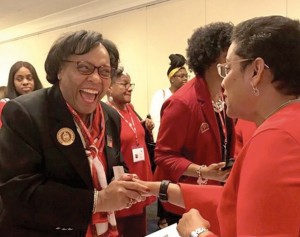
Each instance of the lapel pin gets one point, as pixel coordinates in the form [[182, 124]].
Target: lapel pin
[[65, 136], [204, 127]]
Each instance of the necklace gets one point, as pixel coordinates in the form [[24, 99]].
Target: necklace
[[282, 106], [218, 105]]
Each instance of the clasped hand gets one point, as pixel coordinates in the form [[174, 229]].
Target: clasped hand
[[120, 194]]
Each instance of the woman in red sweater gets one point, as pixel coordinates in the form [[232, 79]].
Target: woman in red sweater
[[261, 196]]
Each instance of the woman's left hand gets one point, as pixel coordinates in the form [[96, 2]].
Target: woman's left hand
[[190, 221], [149, 124]]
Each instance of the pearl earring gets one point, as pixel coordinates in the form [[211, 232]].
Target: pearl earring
[[110, 99]]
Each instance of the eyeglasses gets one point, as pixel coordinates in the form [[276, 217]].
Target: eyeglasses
[[181, 76], [127, 86], [223, 68], [86, 68]]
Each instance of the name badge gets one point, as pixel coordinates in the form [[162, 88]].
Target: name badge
[[138, 154]]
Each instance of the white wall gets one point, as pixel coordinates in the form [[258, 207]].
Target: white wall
[[146, 37]]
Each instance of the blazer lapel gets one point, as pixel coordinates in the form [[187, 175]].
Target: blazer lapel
[[61, 118], [204, 99]]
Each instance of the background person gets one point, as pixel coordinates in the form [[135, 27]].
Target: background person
[[22, 79], [57, 180], [178, 76], [195, 131], [132, 221]]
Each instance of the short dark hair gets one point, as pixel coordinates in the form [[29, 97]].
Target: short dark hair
[[76, 43], [276, 39], [11, 91], [206, 45]]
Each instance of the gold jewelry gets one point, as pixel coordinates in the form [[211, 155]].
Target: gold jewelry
[[282, 106]]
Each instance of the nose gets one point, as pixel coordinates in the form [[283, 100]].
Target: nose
[[25, 81], [95, 77]]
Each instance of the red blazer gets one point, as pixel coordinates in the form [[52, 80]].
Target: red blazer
[[188, 134], [261, 196]]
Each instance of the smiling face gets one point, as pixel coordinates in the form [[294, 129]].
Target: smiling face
[[120, 90], [23, 81], [84, 92]]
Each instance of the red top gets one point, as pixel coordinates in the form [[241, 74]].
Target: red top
[[2, 103], [244, 131], [141, 168], [261, 196]]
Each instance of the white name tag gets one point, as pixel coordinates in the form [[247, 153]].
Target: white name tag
[[138, 154]]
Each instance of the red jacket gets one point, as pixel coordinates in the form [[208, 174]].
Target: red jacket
[[188, 134]]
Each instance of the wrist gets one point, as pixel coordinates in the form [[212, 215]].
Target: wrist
[[199, 232], [201, 179], [163, 190]]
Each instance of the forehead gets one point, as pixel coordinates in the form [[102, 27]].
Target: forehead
[[231, 52], [124, 78], [97, 56], [181, 70], [23, 70]]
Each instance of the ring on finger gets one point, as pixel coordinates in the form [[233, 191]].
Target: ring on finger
[[129, 204]]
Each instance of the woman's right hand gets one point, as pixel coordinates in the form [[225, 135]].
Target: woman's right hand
[[120, 194]]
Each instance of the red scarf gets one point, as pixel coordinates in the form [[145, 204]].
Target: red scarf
[[103, 224]]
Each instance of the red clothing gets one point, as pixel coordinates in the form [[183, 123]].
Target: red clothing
[[188, 134], [142, 168], [261, 196], [244, 131], [2, 103]]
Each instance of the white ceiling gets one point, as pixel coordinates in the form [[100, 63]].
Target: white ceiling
[[15, 12], [24, 18]]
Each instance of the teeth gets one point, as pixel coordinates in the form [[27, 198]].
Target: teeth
[[90, 91]]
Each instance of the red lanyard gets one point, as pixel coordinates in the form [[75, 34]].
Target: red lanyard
[[131, 125]]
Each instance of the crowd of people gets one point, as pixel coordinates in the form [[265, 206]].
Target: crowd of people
[[72, 165]]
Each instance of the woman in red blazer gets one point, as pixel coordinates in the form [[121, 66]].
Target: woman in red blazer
[[195, 131], [261, 196]]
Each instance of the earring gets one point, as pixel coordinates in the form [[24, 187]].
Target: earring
[[255, 90], [110, 99]]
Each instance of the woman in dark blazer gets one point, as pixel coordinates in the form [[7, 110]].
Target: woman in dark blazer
[[58, 147]]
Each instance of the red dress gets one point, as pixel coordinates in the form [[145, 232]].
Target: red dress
[[261, 196]]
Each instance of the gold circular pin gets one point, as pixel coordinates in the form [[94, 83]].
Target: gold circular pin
[[65, 136]]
